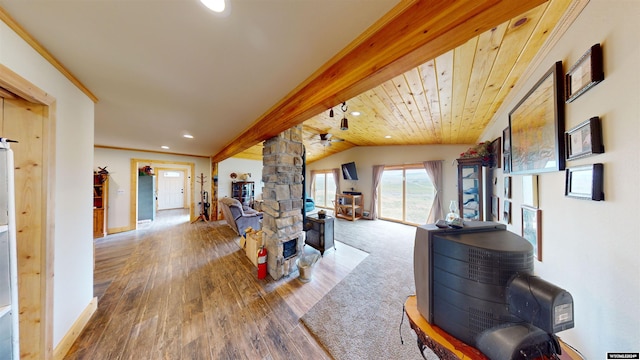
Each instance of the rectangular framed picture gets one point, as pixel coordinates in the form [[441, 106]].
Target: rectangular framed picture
[[495, 208], [496, 153], [531, 229], [585, 182], [584, 139], [537, 127], [506, 150], [584, 74], [530, 190], [507, 187], [506, 212]]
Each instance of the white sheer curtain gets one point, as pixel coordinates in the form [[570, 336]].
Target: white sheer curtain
[[377, 175], [434, 171], [312, 184], [336, 179]]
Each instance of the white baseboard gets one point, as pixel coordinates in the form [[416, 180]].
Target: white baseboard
[[70, 337]]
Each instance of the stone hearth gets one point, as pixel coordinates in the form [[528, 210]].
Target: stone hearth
[[282, 195]]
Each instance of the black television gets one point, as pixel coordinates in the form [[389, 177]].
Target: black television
[[477, 284], [349, 171]]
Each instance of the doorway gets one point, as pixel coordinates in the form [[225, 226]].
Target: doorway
[[32, 124], [188, 168]]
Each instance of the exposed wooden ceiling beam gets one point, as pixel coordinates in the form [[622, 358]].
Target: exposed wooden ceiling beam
[[414, 32]]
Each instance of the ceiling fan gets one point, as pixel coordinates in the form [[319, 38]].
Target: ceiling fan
[[326, 139]]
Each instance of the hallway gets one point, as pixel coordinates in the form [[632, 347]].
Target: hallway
[[175, 290]]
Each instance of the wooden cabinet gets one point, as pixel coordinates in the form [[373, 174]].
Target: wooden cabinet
[[470, 188], [243, 191], [100, 201], [349, 206], [320, 233]]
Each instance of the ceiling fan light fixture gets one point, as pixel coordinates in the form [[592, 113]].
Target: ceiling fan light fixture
[[344, 124]]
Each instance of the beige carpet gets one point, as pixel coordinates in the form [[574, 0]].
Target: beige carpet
[[360, 317]]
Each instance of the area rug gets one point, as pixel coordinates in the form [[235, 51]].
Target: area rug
[[360, 317]]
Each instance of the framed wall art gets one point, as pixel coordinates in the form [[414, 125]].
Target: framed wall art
[[495, 208], [530, 190], [506, 150], [496, 153], [584, 139], [531, 229], [537, 126], [507, 187], [585, 182], [506, 211], [584, 74]]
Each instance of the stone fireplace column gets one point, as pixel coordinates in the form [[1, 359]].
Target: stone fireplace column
[[282, 194]]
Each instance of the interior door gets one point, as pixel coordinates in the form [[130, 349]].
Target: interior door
[[171, 189]]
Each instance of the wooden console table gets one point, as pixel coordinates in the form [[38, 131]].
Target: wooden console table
[[349, 206], [448, 347]]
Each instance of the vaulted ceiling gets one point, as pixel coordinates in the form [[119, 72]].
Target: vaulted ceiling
[[449, 99], [419, 72]]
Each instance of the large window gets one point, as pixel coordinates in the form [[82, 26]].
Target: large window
[[325, 189], [406, 194]]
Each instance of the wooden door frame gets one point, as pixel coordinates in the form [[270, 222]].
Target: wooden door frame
[[133, 200], [24, 89]]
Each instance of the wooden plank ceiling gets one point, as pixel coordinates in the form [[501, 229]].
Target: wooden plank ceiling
[[449, 99]]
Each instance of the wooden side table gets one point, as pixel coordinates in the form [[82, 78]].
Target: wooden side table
[[320, 233]]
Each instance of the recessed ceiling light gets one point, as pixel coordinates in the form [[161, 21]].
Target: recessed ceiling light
[[188, 136], [164, 147], [388, 137], [355, 113], [214, 5]]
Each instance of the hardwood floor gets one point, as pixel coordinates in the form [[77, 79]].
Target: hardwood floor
[[175, 290]]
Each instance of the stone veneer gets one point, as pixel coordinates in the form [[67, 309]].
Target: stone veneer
[[282, 195]]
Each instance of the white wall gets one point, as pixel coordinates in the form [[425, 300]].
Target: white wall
[[591, 248], [118, 164], [73, 247], [366, 157]]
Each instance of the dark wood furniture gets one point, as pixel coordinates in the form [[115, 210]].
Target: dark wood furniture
[[243, 191], [100, 201], [320, 232], [470, 188], [349, 206]]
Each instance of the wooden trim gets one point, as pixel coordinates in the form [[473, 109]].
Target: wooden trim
[[404, 166], [18, 29], [415, 32], [133, 195], [70, 337], [4, 93], [48, 209], [13, 82], [148, 151], [119, 229]]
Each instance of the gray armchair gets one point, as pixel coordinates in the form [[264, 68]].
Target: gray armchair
[[239, 217]]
